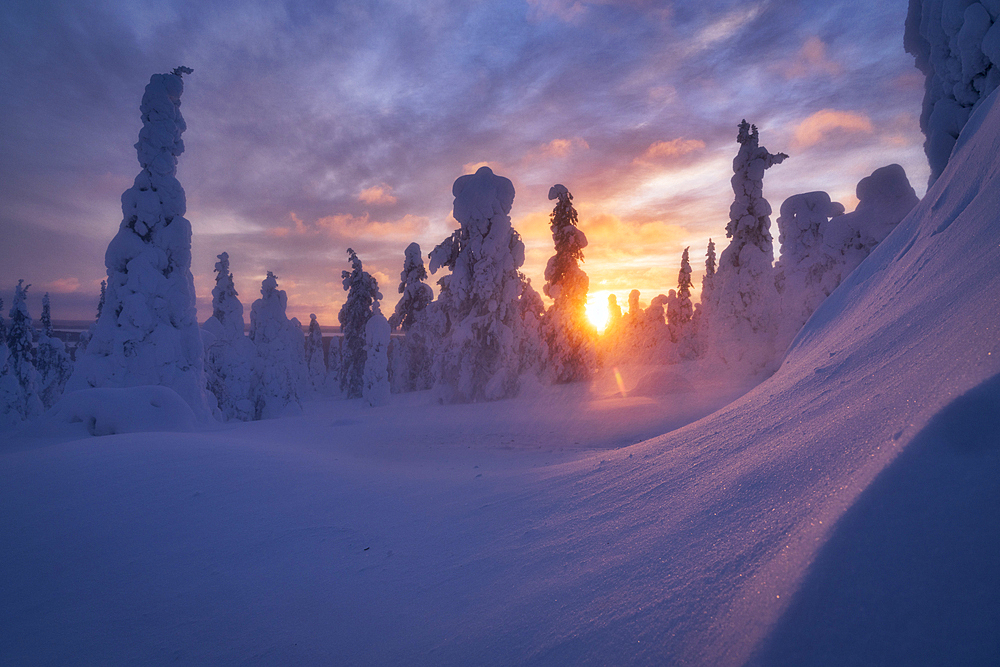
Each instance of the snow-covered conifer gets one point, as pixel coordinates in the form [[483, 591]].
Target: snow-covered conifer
[[314, 355], [568, 333], [51, 359], [744, 309], [477, 358], [957, 47], [26, 402], [412, 355], [148, 333], [362, 293], [279, 369], [229, 354], [376, 373]]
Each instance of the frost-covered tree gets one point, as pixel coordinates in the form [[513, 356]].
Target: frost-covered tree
[[279, 369], [684, 283], [333, 365], [412, 355], [477, 357], [229, 354], [807, 270], [314, 355], [51, 359], [26, 402], [568, 333], [744, 309], [376, 374], [85, 336], [362, 294], [957, 47], [148, 333]]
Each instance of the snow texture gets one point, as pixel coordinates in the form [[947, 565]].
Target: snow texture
[[478, 306], [744, 308], [376, 378], [570, 337], [229, 354], [110, 411], [956, 44], [279, 367], [148, 333], [843, 512]]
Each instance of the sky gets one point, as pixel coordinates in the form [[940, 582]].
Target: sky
[[314, 127]]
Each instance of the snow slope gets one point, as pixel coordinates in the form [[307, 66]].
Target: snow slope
[[842, 512]]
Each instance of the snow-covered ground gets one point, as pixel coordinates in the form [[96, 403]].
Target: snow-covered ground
[[844, 512]]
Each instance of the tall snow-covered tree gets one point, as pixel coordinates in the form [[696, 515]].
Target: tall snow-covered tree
[[686, 308], [51, 359], [148, 333], [315, 361], [413, 354], [229, 354], [20, 363], [279, 370], [957, 47], [362, 293], [376, 374], [477, 357], [568, 333], [744, 311]]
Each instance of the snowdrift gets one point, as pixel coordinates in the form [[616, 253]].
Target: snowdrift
[[843, 512]]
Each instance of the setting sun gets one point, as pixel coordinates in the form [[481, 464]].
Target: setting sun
[[597, 312]]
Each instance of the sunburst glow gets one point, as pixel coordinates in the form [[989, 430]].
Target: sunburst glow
[[597, 313]]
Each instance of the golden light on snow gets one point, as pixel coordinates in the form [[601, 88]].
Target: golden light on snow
[[597, 311]]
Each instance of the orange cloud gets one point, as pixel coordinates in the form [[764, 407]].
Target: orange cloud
[[816, 127], [563, 147], [63, 285], [377, 194], [674, 148], [347, 226], [811, 59]]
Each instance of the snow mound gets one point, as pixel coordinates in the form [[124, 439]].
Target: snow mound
[[108, 411]]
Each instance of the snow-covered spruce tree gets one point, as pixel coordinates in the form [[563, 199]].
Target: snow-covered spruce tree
[[20, 363], [957, 47], [279, 367], [315, 362], [412, 355], [11, 398], [807, 270], [148, 333], [85, 336], [229, 354], [334, 366], [568, 333], [376, 374], [744, 310], [477, 357], [51, 359], [362, 293]]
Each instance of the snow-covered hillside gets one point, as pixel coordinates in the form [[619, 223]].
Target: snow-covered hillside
[[842, 512]]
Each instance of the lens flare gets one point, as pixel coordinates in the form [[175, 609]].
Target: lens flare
[[620, 381]]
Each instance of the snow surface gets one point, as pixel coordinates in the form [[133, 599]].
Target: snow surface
[[841, 513]]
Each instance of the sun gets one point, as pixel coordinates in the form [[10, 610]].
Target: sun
[[597, 312]]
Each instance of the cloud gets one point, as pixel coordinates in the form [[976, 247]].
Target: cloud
[[821, 124], [811, 60], [63, 285], [377, 194], [664, 150], [563, 147]]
